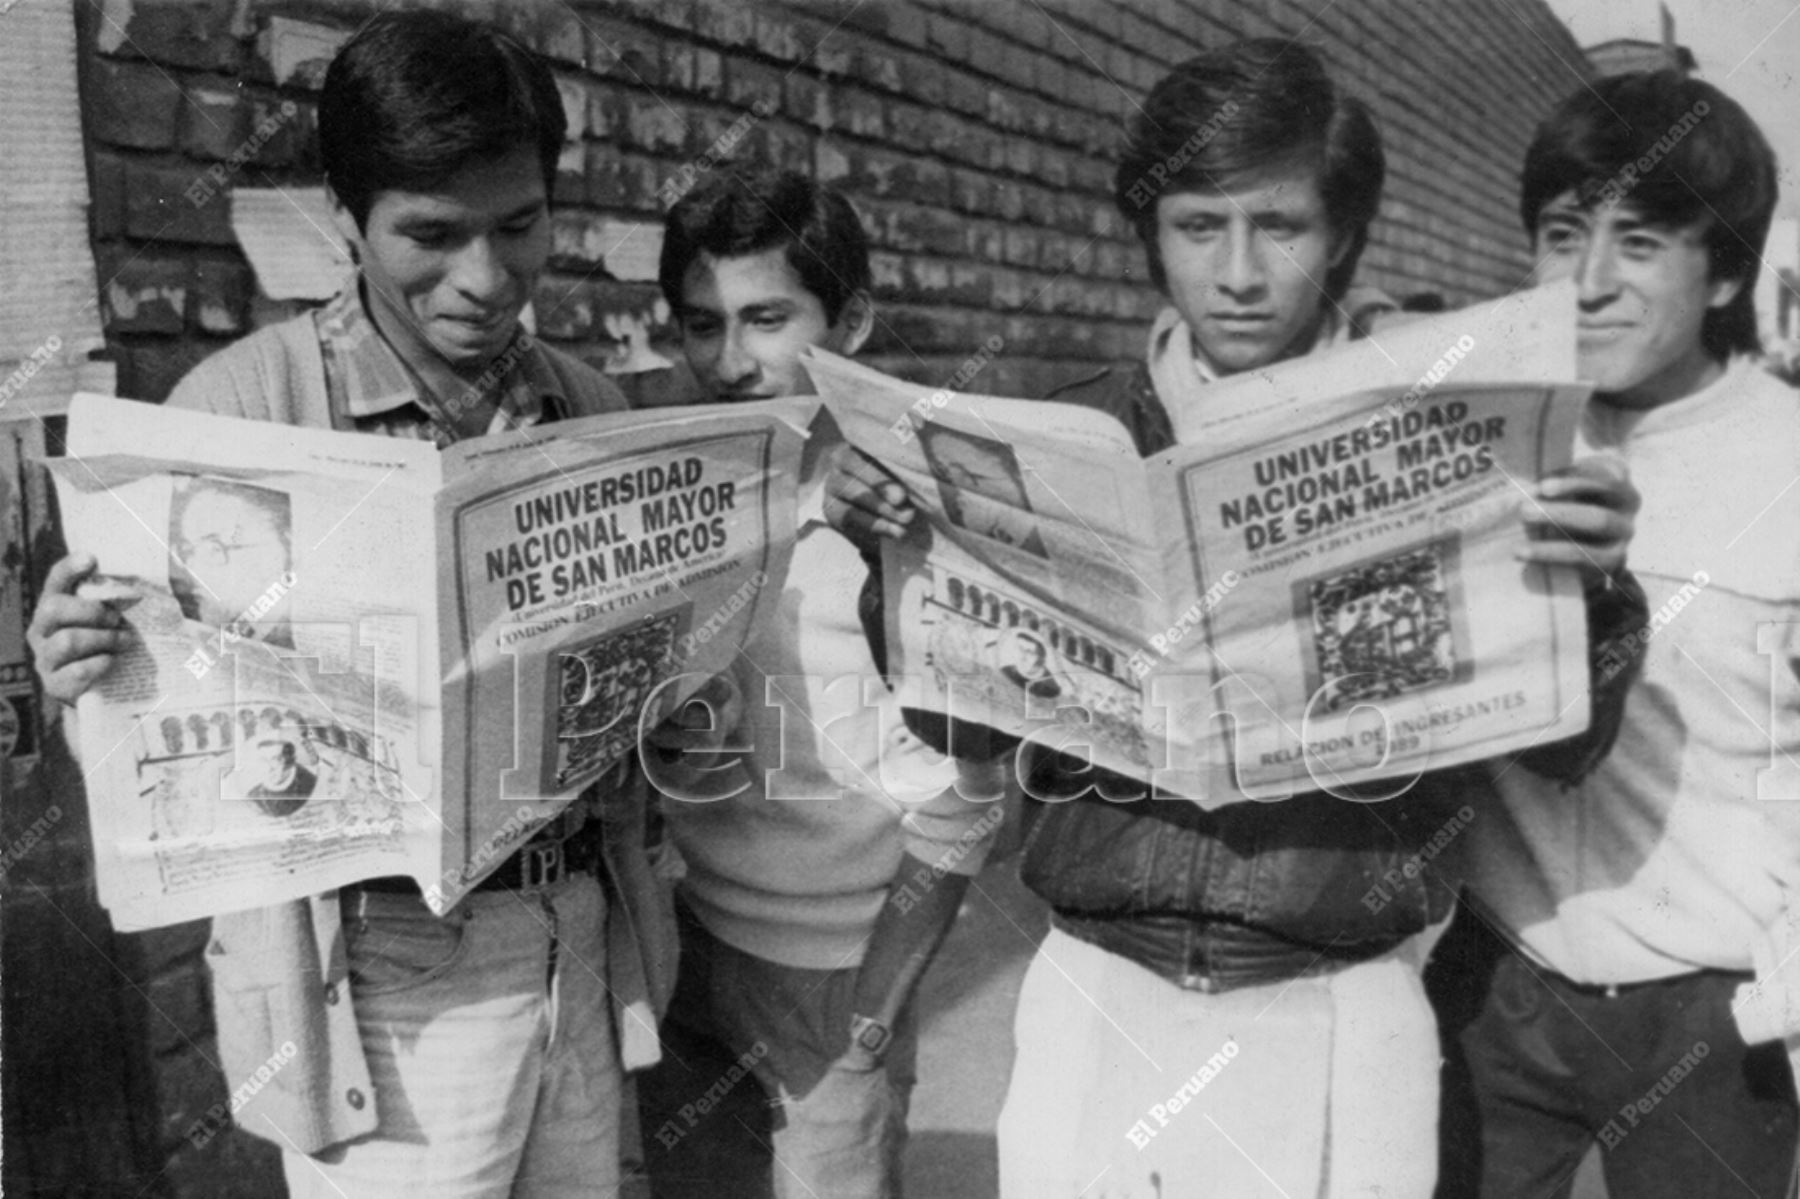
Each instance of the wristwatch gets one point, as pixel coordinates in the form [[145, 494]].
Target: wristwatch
[[870, 1035]]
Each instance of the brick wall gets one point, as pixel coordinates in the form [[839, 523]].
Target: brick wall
[[976, 138]]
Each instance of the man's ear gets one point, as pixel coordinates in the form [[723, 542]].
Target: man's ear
[[345, 223], [1344, 239], [1721, 292], [856, 320]]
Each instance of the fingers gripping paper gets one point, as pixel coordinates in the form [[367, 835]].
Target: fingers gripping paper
[[356, 657], [1319, 588]]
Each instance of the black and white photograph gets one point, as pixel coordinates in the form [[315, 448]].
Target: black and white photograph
[[600, 687], [230, 545], [981, 486], [1442, 358], [1385, 628]]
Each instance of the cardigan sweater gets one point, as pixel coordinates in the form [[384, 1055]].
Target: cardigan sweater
[[280, 973]]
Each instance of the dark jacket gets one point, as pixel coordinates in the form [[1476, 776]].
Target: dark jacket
[[1256, 892]]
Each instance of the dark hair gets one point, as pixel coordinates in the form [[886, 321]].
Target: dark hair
[[738, 211], [288, 753], [416, 96], [1677, 151], [1254, 104]]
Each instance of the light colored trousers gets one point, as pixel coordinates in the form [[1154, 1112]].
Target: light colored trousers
[[1128, 1087], [496, 1076]]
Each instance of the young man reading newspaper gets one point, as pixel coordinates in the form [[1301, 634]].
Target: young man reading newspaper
[[1598, 983], [828, 862], [477, 1054], [1220, 1007]]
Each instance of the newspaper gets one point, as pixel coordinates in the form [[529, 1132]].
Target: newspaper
[[358, 656], [1318, 588]]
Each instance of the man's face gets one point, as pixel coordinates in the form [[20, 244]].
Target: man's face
[[973, 467], [1031, 656], [1246, 266], [451, 269], [1644, 290], [234, 549], [275, 759], [745, 320]]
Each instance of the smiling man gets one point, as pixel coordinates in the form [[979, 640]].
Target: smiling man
[[760, 265], [477, 1054], [1605, 993]]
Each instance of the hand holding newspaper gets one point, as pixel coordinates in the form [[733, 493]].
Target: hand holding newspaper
[[1318, 588], [362, 656]]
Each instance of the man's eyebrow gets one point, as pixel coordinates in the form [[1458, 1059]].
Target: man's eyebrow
[[531, 208], [425, 223], [1278, 213], [777, 307], [1632, 222]]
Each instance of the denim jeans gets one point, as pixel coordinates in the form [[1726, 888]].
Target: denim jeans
[[490, 1042], [728, 1110], [1538, 1069]]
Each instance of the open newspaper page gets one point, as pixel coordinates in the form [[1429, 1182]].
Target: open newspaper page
[[342, 640], [594, 574], [270, 732], [1039, 565], [1320, 590]]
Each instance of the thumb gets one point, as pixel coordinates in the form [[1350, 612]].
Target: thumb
[[67, 574]]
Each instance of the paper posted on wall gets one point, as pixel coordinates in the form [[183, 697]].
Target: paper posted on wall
[[355, 657], [1318, 588]]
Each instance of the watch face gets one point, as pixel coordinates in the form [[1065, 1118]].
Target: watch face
[[872, 1035]]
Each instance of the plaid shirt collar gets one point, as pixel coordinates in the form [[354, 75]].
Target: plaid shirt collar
[[371, 384]]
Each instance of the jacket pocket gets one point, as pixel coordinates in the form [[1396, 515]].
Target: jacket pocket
[[259, 1027], [245, 1018]]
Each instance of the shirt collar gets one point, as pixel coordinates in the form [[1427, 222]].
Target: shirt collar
[[379, 382], [1607, 426], [810, 503]]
